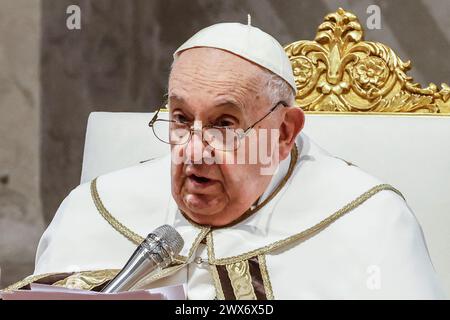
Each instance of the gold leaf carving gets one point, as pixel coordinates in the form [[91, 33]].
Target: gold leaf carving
[[340, 72]]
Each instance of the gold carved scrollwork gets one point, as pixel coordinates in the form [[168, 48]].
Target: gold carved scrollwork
[[340, 72]]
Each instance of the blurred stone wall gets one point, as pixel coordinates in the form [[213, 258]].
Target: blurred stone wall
[[119, 61], [21, 221]]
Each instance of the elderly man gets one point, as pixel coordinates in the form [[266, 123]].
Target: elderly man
[[285, 221]]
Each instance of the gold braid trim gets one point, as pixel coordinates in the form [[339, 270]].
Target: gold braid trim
[[130, 235], [217, 283], [127, 233], [137, 239], [86, 280], [89, 279], [299, 236], [210, 248], [27, 281], [204, 231], [265, 277]]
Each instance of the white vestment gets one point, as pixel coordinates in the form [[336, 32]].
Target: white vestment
[[374, 251]]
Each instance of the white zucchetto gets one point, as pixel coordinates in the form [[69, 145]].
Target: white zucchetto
[[249, 42]]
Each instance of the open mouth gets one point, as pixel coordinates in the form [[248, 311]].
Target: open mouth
[[199, 179]]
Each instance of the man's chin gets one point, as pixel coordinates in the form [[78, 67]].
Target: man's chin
[[201, 208], [203, 205]]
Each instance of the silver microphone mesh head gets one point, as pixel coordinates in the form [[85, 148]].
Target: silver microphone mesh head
[[171, 237]]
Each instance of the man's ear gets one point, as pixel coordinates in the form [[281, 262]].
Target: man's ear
[[293, 122]]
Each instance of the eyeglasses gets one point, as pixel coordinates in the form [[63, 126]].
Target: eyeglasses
[[175, 132]]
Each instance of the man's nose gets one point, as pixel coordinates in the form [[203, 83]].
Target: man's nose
[[196, 149]]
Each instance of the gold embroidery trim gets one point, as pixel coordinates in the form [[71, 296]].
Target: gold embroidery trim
[[87, 280], [241, 280], [265, 277], [130, 235], [302, 235]]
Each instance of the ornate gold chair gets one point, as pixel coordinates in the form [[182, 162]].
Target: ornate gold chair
[[340, 72], [361, 106]]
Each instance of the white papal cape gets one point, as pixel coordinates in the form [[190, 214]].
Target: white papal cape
[[331, 232]]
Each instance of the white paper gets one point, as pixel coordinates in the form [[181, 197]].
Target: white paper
[[47, 292]]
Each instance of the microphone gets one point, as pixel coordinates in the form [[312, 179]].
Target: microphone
[[153, 254]]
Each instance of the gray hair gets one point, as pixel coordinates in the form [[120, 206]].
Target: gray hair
[[277, 89]]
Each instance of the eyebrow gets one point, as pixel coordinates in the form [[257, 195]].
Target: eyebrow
[[226, 101], [176, 97]]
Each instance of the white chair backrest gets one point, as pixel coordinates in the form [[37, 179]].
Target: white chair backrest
[[410, 152], [116, 140]]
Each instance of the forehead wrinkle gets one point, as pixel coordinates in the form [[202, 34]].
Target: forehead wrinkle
[[205, 71], [234, 85], [235, 77]]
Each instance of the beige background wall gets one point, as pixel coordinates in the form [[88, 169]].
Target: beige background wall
[[21, 221], [51, 78]]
